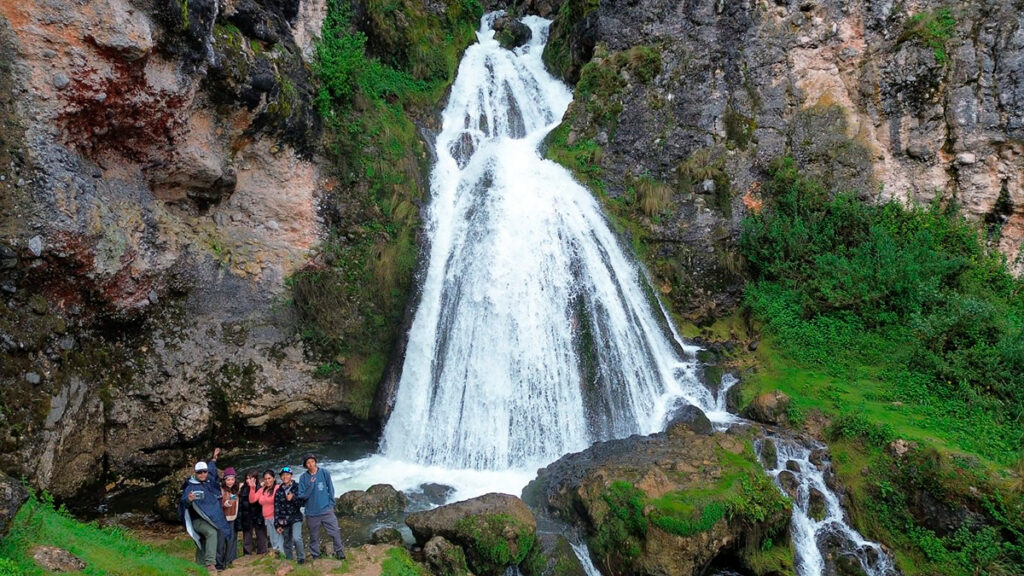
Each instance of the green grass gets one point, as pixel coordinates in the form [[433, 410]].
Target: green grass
[[397, 562], [105, 551]]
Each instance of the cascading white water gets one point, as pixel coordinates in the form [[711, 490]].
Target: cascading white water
[[536, 334], [832, 532]]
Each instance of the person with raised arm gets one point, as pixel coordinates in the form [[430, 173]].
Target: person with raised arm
[[201, 510]]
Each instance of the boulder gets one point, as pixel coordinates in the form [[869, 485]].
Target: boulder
[[437, 493], [494, 530], [768, 407], [386, 535], [511, 33], [623, 495], [57, 559], [690, 417], [789, 482], [377, 500], [769, 454], [12, 496], [445, 558], [816, 505]]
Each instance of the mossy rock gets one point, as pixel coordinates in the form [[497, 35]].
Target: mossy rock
[[495, 531]]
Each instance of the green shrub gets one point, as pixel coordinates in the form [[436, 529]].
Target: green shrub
[[933, 29]]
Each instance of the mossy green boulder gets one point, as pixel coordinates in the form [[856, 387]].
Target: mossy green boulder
[[494, 531]]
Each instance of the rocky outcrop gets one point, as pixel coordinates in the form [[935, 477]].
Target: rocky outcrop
[[162, 170], [669, 503], [494, 531], [909, 101], [12, 496]]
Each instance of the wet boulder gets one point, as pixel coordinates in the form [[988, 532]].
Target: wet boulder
[[386, 535], [494, 531], [768, 407], [445, 558], [511, 32], [690, 417], [377, 500], [817, 507]]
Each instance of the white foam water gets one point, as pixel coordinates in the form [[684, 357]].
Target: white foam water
[[536, 334], [810, 536]]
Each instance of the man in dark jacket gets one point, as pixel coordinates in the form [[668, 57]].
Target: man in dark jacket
[[288, 515], [201, 510]]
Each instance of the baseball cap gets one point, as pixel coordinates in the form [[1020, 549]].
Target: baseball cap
[[201, 467], [286, 470]]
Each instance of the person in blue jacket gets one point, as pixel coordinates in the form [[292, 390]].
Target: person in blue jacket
[[317, 490], [201, 510]]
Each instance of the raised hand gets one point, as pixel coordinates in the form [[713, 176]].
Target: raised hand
[[216, 453]]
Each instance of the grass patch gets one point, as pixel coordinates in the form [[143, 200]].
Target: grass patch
[[105, 551], [397, 562]]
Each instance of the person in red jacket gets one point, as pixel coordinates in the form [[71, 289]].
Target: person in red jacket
[[264, 495]]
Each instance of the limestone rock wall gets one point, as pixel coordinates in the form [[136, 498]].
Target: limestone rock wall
[[911, 100], [159, 181]]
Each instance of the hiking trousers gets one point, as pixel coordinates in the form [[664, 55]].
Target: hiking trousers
[[330, 524]]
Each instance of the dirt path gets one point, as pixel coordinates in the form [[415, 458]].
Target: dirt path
[[362, 561]]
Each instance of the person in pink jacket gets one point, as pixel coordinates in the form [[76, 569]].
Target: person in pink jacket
[[264, 495]]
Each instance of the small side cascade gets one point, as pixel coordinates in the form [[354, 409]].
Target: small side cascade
[[823, 541]]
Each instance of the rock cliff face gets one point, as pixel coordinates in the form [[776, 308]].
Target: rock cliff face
[[159, 182], [680, 105]]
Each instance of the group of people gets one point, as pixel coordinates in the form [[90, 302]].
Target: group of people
[[216, 507]]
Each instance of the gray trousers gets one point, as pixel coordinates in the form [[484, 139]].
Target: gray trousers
[[330, 523], [206, 555]]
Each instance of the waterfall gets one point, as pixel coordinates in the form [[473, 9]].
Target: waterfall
[[536, 334], [796, 475]]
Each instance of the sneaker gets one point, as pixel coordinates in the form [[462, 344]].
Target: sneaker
[[302, 560], [211, 569], [340, 555]]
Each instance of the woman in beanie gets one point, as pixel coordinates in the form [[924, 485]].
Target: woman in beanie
[[229, 488], [250, 518]]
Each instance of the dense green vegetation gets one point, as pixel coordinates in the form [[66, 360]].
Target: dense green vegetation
[[105, 551], [897, 322], [372, 84]]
